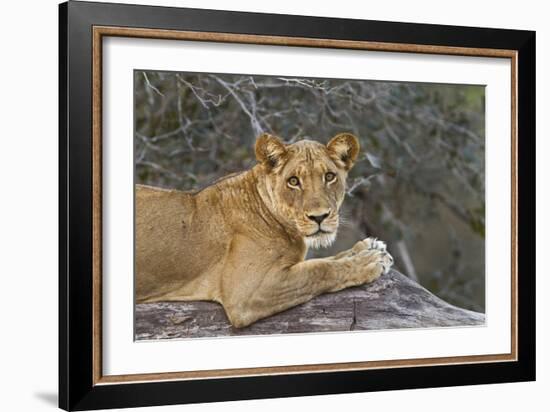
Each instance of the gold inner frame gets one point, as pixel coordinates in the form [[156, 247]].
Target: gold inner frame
[[100, 31]]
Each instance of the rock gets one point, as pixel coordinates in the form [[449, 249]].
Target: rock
[[392, 302]]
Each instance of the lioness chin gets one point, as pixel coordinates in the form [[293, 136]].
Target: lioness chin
[[242, 241]]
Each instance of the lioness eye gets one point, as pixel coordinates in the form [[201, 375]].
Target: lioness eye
[[329, 177], [293, 181]]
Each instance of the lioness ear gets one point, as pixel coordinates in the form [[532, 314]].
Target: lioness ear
[[343, 149], [269, 150]]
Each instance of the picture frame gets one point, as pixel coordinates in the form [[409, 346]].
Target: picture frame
[[82, 29]]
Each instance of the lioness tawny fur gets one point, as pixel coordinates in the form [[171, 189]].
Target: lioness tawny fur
[[242, 241]]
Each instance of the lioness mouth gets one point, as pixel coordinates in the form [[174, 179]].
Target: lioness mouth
[[319, 232]]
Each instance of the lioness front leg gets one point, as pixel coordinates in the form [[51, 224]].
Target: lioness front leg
[[288, 287]]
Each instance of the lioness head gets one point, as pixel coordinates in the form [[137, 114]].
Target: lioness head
[[305, 183]]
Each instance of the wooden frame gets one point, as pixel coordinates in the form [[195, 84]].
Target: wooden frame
[[82, 27]]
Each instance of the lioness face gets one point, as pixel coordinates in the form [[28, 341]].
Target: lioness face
[[306, 183]]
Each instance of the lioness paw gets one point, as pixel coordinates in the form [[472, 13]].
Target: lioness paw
[[367, 260], [380, 258], [369, 244], [362, 245], [386, 260], [375, 244]]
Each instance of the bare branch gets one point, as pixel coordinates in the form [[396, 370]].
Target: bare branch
[[150, 85]]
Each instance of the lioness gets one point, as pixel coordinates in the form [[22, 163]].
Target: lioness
[[242, 241]]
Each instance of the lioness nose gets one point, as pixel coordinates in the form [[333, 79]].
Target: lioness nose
[[318, 218]]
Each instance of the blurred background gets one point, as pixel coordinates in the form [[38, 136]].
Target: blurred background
[[419, 182]]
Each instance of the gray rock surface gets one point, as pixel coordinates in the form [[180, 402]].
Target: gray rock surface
[[392, 302]]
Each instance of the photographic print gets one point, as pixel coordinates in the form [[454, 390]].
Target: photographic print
[[255, 206], [274, 205]]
